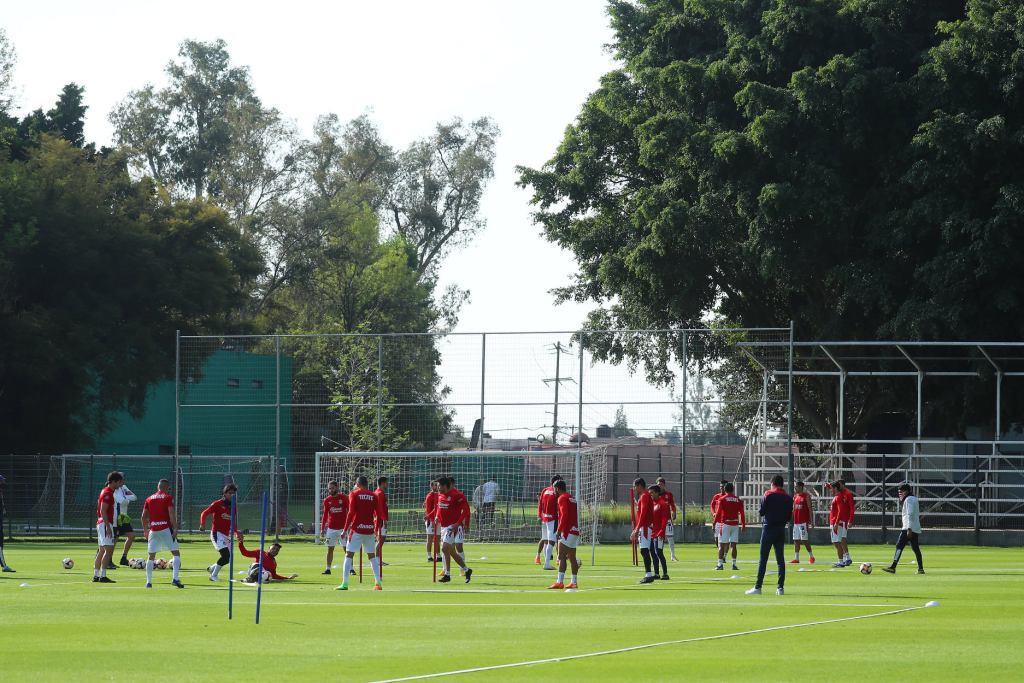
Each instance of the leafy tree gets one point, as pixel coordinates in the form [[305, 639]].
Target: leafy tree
[[847, 165], [620, 427], [8, 58]]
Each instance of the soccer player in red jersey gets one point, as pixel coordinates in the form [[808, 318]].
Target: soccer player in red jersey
[[429, 512], [159, 526], [360, 527], [839, 517], [714, 511], [219, 512], [382, 513], [568, 532], [803, 522], [670, 528], [547, 513], [643, 525], [453, 517], [731, 517], [332, 522], [105, 528], [851, 507], [269, 562], [660, 517]]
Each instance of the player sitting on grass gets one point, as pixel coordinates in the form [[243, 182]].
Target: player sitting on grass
[[547, 513], [269, 562], [660, 516], [359, 529], [159, 528], [730, 518], [429, 512], [332, 522], [105, 528], [803, 521], [220, 528], [453, 518], [911, 530], [643, 527], [568, 536]]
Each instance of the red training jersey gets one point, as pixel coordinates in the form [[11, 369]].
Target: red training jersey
[[801, 508], [158, 506], [644, 511], [715, 499], [362, 511], [837, 512], [547, 505], [430, 505], [452, 508], [730, 511], [669, 501], [335, 512], [269, 562], [106, 496], [660, 515], [851, 506], [568, 521], [220, 511], [382, 507]]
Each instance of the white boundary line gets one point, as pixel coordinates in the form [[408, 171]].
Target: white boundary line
[[645, 646], [377, 605]]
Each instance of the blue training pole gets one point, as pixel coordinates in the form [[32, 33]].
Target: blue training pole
[[231, 561], [263, 535]]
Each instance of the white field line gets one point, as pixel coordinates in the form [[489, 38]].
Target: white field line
[[751, 603], [646, 646]]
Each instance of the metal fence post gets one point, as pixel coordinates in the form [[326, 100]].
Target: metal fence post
[[380, 389], [579, 429], [177, 408], [483, 383], [885, 482], [63, 488], [789, 412], [682, 447], [277, 440]]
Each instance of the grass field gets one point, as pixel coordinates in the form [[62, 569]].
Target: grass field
[[61, 626]]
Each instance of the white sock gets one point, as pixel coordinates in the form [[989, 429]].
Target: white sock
[[846, 557], [346, 568], [547, 554], [561, 577], [574, 578], [216, 570], [103, 570], [797, 556], [176, 566], [375, 563], [149, 571], [648, 574], [95, 573]]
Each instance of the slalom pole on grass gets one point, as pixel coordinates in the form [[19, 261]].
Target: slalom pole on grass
[[259, 576], [231, 561]]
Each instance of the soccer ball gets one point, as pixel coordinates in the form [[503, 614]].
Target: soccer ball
[[865, 568], [160, 563], [266, 576], [67, 563], [136, 563]]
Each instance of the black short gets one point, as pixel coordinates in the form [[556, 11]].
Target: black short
[[123, 529]]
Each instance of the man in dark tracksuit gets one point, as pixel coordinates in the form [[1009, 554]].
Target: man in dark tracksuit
[[3, 562], [776, 511]]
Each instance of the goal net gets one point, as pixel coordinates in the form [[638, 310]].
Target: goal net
[[510, 518]]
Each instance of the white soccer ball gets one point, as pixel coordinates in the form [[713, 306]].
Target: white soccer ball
[[67, 563], [266, 576], [865, 568]]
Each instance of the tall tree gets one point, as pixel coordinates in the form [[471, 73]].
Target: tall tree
[[8, 58]]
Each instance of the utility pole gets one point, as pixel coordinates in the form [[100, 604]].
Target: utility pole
[[557, 379]]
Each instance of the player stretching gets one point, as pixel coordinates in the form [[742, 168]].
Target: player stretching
[[359, 529], [105, 528], [729, 518], [382, 514], [714, 512], [332, 522], [670, 528], [220, 528], [547, 512], [3, 511], [159, 528], [269, 562], [453, 518], [911, 530], [429, 512], [642, 528], [568, 532], [803, 521], [122, 496], [660, 516], [840, 515]]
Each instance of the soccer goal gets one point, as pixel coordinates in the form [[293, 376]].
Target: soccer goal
[[506, 513]]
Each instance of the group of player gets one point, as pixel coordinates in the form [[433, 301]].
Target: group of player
[[558, 514], [654, 515]]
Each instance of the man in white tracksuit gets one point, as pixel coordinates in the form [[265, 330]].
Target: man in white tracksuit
[[911, 529]]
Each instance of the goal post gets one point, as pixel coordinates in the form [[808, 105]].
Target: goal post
[[502, 488]]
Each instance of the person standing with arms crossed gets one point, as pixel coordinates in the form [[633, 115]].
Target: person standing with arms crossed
[[776, 511]]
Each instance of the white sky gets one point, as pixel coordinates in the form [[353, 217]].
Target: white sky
[[527, 64]]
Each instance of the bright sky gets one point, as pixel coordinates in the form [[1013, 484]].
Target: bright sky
[[527, 64]]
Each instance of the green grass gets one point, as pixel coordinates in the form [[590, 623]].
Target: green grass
[[62, 627]]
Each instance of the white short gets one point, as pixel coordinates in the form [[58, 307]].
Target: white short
[[102, 537], [332, 537], [383, 532], [452, 534], [730, 534], [800, 532], [838, 533], [658, 543], [429, 527], [161, 540], [220, 541], [368, 542], [643, 539], [670, 530], [547, 531], [570, 541], [718, 530]]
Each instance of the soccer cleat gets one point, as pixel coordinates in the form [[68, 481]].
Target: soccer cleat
[[572, 587], [177, 584], [384, 564], [149, 585], [111, 566], [326, 572], [351, 572], [536, 560], [811, 560], [8, 570], [734, 567], [920, 571], [754, 591], [377, 587], [839, 565], [719, 567], [124, 561], [214, 578], [342, 587], [557, 586], [780, 591], [95, 579], [889, 570], [105, 579], [664, 577], [674, 558], [469, 574], [209, 570], [794, 561], [430, 559], [445, 578], [549, 569], [647, 579]]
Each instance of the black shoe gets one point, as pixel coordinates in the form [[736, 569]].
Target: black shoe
[[351, 572], [657, 577], [8, 570], [469, 575], [105, 579], [664, 577], [889, 570], [647, 579], [111, 566], [384, 564], [326, 572], [95, 579], [920, 571], [444, 579], [124, 561], [177, 584]]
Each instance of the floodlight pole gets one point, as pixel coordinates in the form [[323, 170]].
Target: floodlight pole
[[789, 412], [177, 407], [682, 451]]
